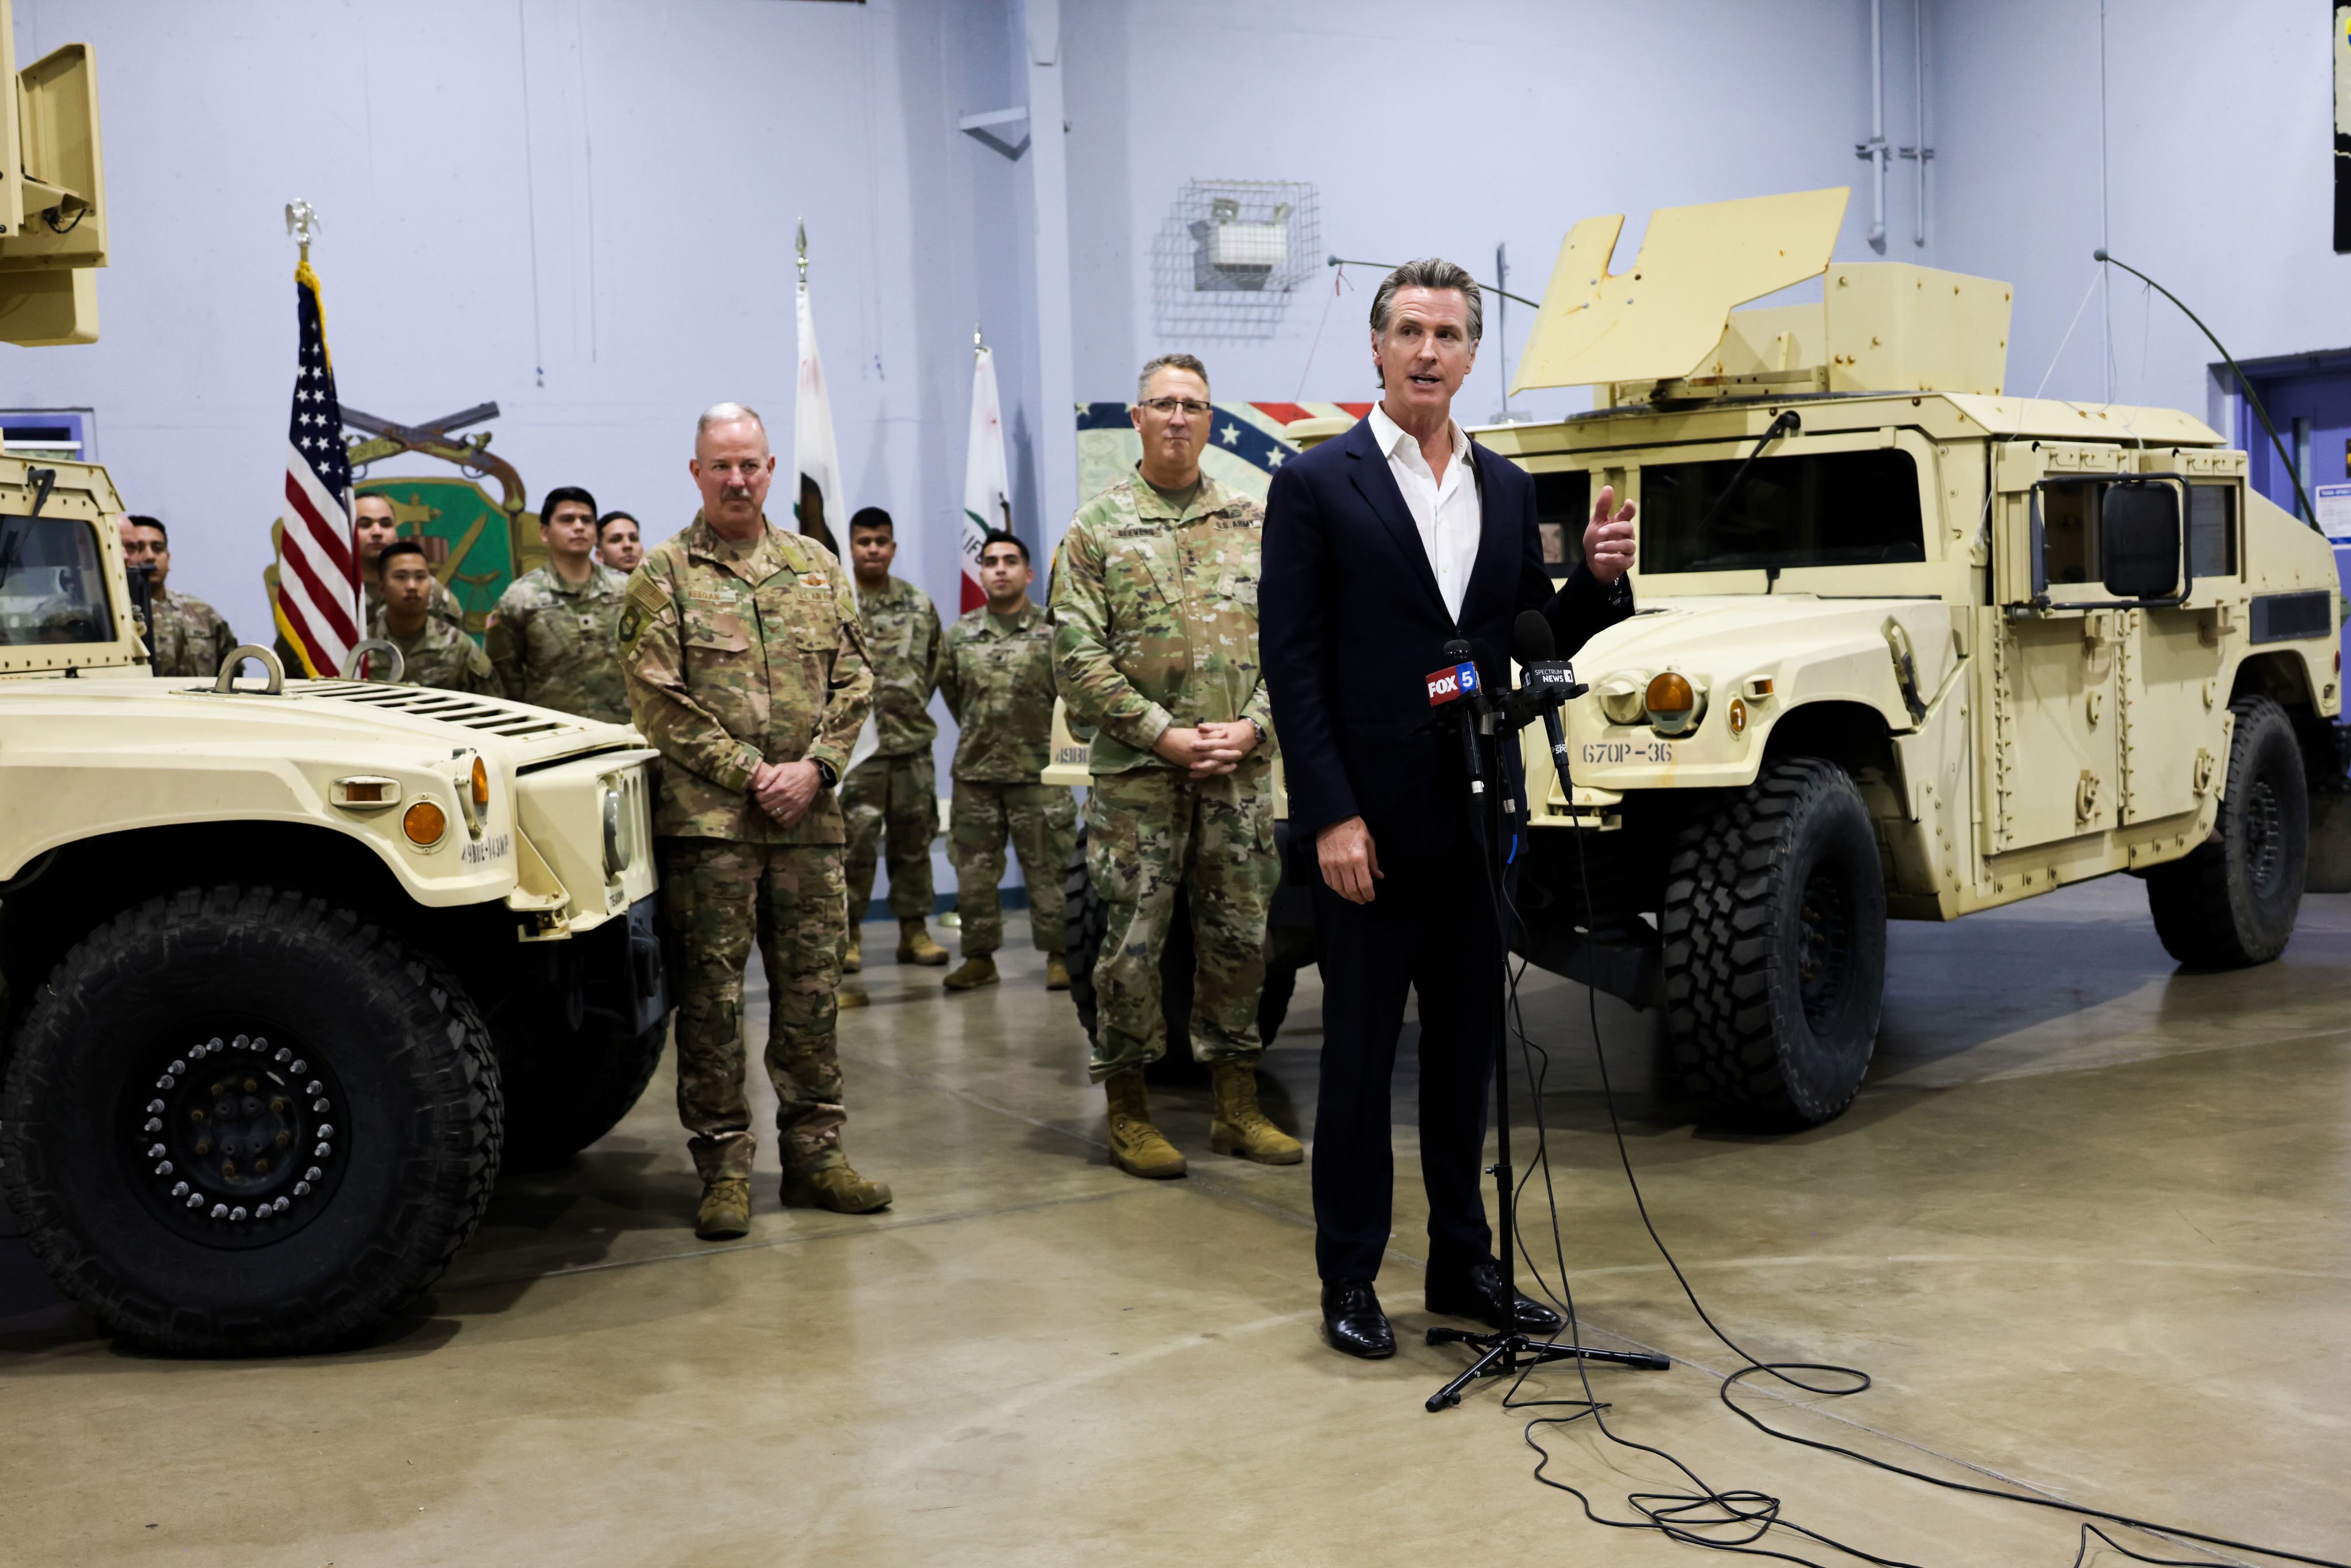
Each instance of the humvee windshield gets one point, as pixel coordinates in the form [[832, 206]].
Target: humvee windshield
[[52, 588], [1813, 509]]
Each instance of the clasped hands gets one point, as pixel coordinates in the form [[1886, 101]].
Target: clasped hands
[[1206, 749], [785, 790]]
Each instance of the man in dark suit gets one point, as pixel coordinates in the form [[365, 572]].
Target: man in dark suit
[[1382, 546]]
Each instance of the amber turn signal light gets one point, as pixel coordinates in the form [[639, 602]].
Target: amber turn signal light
[[481, 784], [1670, 693], [424, 823]]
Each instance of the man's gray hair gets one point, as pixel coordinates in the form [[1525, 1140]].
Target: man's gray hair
[[1429, 272], [727, 413], [1169, 362]]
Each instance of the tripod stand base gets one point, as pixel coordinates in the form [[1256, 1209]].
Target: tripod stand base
[[1509, 1352]]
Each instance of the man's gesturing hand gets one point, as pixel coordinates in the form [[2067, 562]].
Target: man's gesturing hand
[[1608, 540], [785, 790], [1350, 861], [1210, 749]]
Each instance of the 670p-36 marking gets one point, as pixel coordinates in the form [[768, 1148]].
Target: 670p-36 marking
[[1628, 751]]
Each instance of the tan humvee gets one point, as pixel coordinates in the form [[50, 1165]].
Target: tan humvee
[[286, 967]]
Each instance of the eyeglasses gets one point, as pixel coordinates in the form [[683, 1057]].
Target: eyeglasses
[[1168, 405]]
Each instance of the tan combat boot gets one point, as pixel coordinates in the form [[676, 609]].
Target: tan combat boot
[[915, 947], [1057, 973], [844, 1000], [1135, 1145], [1240, 1127], [972, 974], [852, 957], [836, 1187], [725, 1211]]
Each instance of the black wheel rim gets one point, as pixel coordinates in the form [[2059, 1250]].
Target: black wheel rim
[[235, 1139], [1824, 942], [2264, 835]]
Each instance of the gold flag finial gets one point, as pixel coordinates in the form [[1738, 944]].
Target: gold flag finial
[[302, 222], [803, 249]]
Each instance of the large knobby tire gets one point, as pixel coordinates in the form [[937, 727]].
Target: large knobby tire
[[2231, 902], [1774, 928], [275, 1053], [567, 1088]]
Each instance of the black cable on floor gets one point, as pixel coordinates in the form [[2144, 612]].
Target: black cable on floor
[[1733, 1521]]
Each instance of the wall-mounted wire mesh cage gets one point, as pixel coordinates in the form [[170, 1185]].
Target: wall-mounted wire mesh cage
[[1231, 254]]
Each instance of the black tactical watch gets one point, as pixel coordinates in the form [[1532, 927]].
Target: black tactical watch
[[825, 775]]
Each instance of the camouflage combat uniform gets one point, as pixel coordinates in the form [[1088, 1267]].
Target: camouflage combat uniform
[[189, 636], [736, 654], [891, 798], [441, 655], [996, 675], [1155, 626], [556, 645]]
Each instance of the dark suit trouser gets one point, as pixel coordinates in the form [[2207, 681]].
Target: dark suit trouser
[[1431, 929]]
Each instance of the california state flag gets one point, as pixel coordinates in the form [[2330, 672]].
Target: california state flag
[[987, 495]]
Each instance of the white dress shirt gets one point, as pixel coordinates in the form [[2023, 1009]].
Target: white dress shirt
[[1448, 513]]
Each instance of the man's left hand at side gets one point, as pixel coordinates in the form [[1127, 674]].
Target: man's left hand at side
[[1608, 538], [785, 790]]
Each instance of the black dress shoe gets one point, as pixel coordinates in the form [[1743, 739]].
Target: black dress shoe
[[1476, 1292], [1353, 1321]]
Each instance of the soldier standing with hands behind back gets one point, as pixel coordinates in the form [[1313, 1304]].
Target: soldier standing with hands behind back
[[996, 675], [746, 663], [891, 798], [1154, 644]]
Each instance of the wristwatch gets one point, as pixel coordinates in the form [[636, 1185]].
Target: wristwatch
[[825, 775]]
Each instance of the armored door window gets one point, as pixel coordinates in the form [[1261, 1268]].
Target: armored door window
[[2069, 533], [52, 587], [2212, 531]]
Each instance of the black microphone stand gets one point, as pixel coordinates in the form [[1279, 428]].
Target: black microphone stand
[[1487, 724]]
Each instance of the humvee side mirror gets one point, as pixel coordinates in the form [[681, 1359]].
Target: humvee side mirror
[[2139, 540]]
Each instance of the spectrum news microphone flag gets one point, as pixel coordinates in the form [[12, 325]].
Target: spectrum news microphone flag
[[986, 493], [318, 579], [816, 463]]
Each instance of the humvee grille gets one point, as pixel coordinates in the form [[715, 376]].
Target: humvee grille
[[450, 708]]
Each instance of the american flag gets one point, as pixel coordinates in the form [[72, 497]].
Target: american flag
[[318, 579]]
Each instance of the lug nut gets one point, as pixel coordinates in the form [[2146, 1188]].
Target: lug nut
[[281, 1206], [236, 1214], [164, 1082], [220, 1211], [156, 1152], [154, 1107], [179, 1189], [326, 1129], [298, 1069], [154, 1124], [196, 1114], [261, 1167], [313, 1174], [163, 1169], [284, 1140], [301, 1189], [320, 1106], [241, 1041], [314, 1087], [279, 1107], [283, 1055], [219, 1090], [177, 1068], [228, 1167], [250, 1085], [195, 1200], [324, 1151], [203, 1146]]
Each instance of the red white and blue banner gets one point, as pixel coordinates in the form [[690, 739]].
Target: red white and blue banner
[[1246, 443], [317, 575]]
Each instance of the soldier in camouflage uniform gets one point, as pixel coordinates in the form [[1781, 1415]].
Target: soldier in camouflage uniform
[[433, 652], [746, 664], [187, 636], [996, 674], [893, 797], [373, 526], [1154, 644], [554, 638]]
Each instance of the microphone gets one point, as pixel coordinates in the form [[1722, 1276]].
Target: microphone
[[1532, 645], [1457, 682]]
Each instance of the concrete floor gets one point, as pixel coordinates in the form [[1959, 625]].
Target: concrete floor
[[2086, 1228]]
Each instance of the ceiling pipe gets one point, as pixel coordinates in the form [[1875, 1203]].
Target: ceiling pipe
[[1874, 152]]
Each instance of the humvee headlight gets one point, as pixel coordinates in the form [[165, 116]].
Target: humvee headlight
[[1674, 703], [424, 823], [619, 829], [1621, 698]]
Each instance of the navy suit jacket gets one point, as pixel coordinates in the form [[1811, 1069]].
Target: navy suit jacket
[[1351, 623]]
